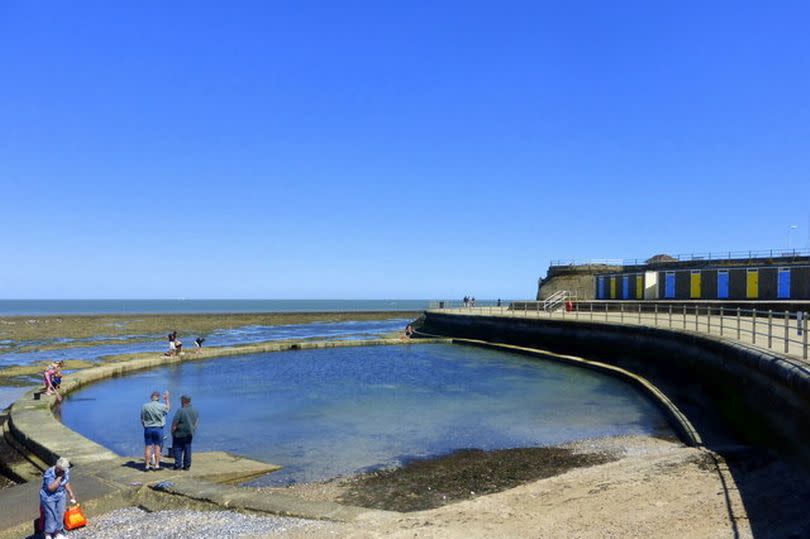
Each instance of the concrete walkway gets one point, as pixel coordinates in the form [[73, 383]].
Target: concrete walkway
[[761, 331]]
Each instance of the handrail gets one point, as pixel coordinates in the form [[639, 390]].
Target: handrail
[[715, 255], [555, 300], [784, 331]]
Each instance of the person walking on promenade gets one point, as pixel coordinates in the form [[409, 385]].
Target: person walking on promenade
[[153, 419], [55, 482], [184, 425]]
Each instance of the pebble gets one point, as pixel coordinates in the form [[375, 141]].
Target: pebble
[[134, 523]]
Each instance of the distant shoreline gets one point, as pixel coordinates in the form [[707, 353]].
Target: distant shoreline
[[85, 307]]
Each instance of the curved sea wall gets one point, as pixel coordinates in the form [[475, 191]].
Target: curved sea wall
[[732, 392]]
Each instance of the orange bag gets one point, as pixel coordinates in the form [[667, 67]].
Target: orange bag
[[74, 518]]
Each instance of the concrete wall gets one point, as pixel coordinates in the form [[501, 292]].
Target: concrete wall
[[732, 393]]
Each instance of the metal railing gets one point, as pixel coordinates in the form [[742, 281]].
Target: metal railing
[[556, 300], [477, 304], [783, 331], [689, 257]]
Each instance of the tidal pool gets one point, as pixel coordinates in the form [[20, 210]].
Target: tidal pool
[[334, 412]]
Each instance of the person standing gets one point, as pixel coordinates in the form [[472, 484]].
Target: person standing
[[153, 419], [184, 426], [55, 482]]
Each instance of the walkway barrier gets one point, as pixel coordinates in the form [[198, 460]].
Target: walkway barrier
[[689, 257], [782, 331]]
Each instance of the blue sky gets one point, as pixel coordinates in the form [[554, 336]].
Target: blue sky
[[389, 149]]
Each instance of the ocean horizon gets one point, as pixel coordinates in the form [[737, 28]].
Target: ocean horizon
[[43, 307]]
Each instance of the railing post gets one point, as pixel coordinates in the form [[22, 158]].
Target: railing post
[[606, 312], [639, 313], [670, 316], [770, 328], [697, 328], [754, 325], [721, 320], [738, 323], [621, 313], [787, 330], [656, 314], [804, 334], [684, 316], [709, 319], [591, 310]]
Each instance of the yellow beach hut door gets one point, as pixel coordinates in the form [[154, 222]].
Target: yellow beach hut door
[[694, 285], [752, 284]]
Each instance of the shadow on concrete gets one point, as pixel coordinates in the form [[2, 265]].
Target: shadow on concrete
[[774, 491], [134, 465], [774, 486]]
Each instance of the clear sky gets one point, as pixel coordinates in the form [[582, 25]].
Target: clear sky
[[389, 149]]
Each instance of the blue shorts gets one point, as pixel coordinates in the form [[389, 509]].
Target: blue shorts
[[153, 435]]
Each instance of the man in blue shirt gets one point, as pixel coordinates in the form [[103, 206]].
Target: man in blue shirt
[[55, 481], [153, 419]]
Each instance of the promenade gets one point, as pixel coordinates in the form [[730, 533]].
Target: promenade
[[782, 332]]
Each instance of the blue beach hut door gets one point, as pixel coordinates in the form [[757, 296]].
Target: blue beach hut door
[[625, 287], [669, 285], [722, 285], [600, 288], [783, 285]]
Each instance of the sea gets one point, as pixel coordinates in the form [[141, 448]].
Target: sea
[[43, 307]]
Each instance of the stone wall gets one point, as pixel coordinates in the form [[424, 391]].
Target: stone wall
[[576, 279]]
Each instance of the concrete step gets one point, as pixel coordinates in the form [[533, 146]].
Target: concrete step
[[18, 463]]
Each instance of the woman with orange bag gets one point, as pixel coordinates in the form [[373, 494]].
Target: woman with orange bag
[[55, 482]]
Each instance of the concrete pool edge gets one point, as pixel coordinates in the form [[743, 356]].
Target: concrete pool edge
[[33, 426]]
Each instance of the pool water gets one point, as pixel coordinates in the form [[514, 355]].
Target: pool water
[[334, 412]]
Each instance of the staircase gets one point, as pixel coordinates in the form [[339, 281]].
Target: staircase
[[556, 301]]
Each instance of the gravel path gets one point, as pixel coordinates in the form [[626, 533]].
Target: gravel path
[[135, 523]]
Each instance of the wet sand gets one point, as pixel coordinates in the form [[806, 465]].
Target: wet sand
[[645, 487], [433, 482], [618, 487], [45, 328]]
